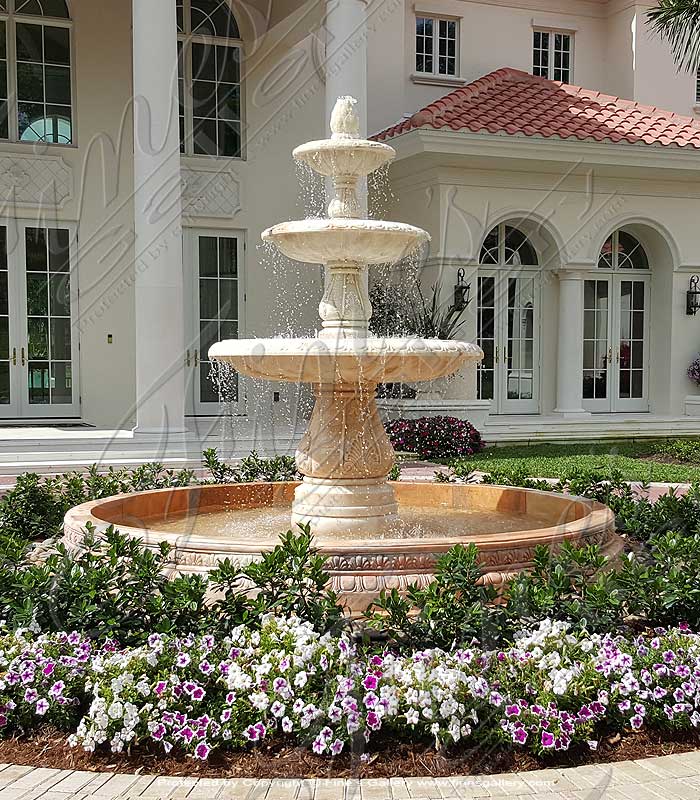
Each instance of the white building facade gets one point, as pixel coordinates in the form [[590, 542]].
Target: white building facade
[[145, 145]]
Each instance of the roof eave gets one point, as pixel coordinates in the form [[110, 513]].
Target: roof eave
[[539, 148]]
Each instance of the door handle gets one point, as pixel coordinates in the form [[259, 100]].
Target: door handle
[[505, 354], [496, 350], [14, 356], [196, 358], [187, 359], [22, 352]]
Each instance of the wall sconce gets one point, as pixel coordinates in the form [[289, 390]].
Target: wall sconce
[[463, 291], [692, 303]]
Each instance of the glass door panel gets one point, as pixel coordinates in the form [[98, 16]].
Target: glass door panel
[[39, 349], [50, 354], [9, 377], [631, 354], [615, 344], [508, 333], [520, 344], [597, 350], [215, 261], [486, 336]]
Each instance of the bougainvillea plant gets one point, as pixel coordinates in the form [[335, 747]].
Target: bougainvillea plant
[[435, 437]]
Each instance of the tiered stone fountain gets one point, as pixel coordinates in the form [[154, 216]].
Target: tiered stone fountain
[[375, 534], [345, 455]]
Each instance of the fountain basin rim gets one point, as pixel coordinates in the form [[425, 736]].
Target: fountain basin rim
[[594, 516]]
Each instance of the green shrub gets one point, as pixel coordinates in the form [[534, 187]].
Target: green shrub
[[686, 450], [290, 580], [36, 505], [251, 468], [117, 588], [574, 585], [450, 611], [662, 585]]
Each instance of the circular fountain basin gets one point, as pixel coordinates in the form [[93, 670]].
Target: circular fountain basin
[[352, 157], [345, 361], [365, 241], [205, 524]]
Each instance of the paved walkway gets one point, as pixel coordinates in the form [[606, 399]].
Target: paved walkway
[[668, 777]]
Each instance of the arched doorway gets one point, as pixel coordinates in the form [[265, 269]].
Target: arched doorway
[[508, 311], [616, 327]]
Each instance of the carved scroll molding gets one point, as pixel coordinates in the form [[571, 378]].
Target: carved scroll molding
[[35, 180], [210, 192]]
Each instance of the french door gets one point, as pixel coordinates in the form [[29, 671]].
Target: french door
[[508, 320], [214, 260], [615, 343], [39, 347]]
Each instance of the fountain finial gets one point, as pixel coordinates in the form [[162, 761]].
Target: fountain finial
[[345, 124]]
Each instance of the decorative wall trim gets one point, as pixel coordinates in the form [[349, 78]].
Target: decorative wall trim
[[34, 180], [210, 192]]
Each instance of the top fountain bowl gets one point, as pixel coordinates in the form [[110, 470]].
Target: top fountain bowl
[[364, 241], [344, 157]]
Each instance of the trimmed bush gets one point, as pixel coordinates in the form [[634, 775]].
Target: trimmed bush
[[435, 437]]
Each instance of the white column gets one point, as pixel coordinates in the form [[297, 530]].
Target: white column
[[160, 381], [346, 55], [570, 344]]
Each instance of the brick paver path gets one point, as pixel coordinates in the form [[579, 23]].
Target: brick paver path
[[674, 777]]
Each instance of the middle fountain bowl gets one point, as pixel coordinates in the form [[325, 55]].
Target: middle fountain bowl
[[328, 241]]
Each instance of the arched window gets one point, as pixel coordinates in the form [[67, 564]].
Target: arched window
[[209, 73], [36, 94], [621, 250], [507, 246]]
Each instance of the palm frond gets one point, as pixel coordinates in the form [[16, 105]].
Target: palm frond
[[678, 22]]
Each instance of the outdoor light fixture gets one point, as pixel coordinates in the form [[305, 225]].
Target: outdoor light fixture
[[462, 292], [692, 304]]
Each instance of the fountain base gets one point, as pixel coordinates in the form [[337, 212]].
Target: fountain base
[[339, 507]]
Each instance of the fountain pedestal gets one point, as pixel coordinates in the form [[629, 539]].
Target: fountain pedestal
[[344, 456]]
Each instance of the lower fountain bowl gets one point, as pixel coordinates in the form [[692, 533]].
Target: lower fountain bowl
[[208, 523]]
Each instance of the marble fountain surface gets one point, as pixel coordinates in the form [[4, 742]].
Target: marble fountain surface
[[376, 534]]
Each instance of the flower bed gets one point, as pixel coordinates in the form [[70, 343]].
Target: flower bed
[[553, 689]]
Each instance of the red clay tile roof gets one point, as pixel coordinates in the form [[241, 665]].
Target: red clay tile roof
[[509, 101]]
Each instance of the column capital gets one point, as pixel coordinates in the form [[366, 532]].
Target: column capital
[[575, 272]]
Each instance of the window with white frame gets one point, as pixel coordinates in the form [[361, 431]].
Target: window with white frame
[[36, 94], [436, 46], [552, 55], [209, 78]]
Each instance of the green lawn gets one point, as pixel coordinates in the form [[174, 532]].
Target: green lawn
[[558, 460]]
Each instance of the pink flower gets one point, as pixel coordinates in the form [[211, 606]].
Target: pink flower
[[370, 682], [547, 740], [202, 751]]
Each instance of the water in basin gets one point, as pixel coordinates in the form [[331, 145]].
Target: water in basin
[[265, 524]]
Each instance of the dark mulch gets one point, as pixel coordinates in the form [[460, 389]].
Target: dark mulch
[[48, 748]]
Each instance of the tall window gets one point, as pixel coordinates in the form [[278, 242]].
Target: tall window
[[209, 74], [36, 95], [697, 86], [436, 46], [552, 55]]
